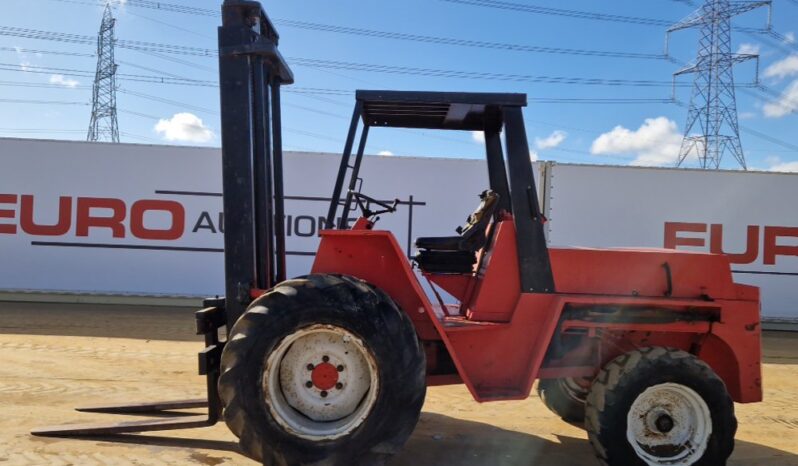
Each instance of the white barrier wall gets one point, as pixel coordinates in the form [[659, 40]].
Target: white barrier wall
[[145, 220], [750, 216], [135, 219]]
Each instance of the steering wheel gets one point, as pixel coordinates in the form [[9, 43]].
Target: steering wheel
[[364, 202]]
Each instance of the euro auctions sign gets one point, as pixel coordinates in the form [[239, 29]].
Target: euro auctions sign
[[147, 220]]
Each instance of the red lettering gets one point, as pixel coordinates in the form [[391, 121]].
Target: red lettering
[[8, 213], [175, 231], [29, 225], [751, 247], [85, 220], [672, 240], [772, 249]]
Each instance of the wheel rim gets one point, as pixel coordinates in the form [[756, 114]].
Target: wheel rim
[[321, 382], [669, 424], [572, 389]]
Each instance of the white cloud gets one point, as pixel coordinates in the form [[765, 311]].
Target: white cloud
[[783, 68], [746, 115], [656, 142], [551, 141], [478, 136], [385, 153], [777, 165], [789, 38], [533, 155], [787, 103], [185, 127], [62, 81], [749, 49]]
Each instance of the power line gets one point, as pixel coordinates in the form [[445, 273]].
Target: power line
[[526, 8], [323, 91], [765, 137], [578, 14], [177, 60], [51, 52], [153, 70], [381, 34], [41, 85], [462, 42], [352, 66], [41, 102], [163, 100]]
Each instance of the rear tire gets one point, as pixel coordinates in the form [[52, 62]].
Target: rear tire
[[564, 397], [660, 406], [323, 370]]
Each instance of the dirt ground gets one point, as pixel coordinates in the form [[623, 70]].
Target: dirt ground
[[56, 357]]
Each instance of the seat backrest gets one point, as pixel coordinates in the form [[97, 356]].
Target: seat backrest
[[473, 232]]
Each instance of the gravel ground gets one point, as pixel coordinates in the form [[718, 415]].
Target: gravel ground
[[57, 357]]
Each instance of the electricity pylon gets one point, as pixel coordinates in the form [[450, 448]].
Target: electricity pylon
[[713, 104], [104, 125]]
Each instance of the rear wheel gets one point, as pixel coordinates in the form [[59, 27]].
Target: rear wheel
[[660, 406], [323, 370], [565, 397]]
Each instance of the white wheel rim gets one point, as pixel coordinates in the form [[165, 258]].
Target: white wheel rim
[[669, 424], [320, 383]]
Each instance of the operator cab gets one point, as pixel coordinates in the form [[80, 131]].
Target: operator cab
[[512, 196], [458, 254]]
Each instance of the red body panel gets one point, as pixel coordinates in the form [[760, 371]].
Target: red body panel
[[499, 344]]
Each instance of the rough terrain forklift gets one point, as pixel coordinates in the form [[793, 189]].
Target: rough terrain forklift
[[649, 348]]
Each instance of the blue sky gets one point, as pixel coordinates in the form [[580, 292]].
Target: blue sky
[[567, 132]]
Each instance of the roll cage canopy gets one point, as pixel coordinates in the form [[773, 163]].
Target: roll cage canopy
[[511, 178]]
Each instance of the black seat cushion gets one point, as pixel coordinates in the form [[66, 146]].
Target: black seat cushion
[[472, 234], [446, 261], [442, 243]]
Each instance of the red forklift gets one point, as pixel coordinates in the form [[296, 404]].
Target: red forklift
[[648, 348]]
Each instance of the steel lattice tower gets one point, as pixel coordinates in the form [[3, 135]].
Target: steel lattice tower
[[104, 125], [712, 129]]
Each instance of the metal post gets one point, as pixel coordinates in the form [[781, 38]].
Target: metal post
[[497, 172], [239, 238], [262, 167], [343, 224], [279, 194], [339, 182], [533, 253]]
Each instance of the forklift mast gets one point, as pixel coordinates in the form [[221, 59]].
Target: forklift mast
[[251, 71]]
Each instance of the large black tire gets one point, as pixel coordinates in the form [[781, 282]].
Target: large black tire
[[564, 397], [656, 374], [346, 303]]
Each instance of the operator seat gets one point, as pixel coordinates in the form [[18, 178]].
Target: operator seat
[[458, 254]]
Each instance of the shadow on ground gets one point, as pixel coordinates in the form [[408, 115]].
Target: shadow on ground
[[98, 320], [441, 440], [780, 347], [177, 324]]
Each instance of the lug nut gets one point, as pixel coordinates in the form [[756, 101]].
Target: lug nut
[[339, 385], [324, 394], [310, 367], [325, 358], [340, 368], [309, 384]]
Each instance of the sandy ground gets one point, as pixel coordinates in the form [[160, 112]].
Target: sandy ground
[[56, 357]]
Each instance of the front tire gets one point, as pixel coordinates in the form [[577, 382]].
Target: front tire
[[660, 406], [323, 370]]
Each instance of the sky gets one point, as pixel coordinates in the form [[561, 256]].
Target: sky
[[41, 95]]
